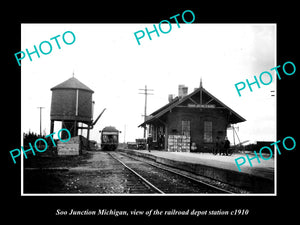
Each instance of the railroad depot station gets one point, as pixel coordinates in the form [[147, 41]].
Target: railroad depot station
[[190, 122]]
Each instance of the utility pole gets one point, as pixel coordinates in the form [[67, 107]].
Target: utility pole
[[40, 119], [124, 133], [146, 93]]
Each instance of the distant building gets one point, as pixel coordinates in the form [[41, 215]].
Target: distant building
[[198, 118]]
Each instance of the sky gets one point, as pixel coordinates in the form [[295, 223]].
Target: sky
[[108, 59]]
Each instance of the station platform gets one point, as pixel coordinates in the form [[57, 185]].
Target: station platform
[[256, 179]]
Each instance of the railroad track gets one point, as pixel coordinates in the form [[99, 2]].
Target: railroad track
[[148, 183], [164, 180]]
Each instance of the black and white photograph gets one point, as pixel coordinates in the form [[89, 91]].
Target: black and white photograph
[[149, 118], [166, 114]]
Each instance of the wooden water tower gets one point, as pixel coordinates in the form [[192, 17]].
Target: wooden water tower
[[71, 104]]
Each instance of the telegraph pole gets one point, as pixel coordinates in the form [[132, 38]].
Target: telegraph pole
[[41, 120], [146, 93], [124, 133]]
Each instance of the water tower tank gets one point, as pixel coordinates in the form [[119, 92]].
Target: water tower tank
[[71, 103]]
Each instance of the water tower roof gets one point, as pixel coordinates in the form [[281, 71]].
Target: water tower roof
[[72, 83]]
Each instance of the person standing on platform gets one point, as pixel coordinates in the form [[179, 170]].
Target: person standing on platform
[[149, 143], [226, 145], [217, 146], [193, 147]]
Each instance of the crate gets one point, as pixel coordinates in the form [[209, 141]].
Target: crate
[[179, 143], [68, 149]]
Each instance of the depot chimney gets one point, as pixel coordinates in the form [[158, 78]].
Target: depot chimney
[[182, 91]]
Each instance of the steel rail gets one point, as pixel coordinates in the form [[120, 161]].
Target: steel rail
[[183, 175], [138, 175]]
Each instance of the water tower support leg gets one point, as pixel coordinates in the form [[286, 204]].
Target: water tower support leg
[[75, 128], [88, 133], [88, 138], [51, 126]]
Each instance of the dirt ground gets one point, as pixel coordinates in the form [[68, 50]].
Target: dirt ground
[[93, 172]]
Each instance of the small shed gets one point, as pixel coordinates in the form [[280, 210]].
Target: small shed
[[198, 118]]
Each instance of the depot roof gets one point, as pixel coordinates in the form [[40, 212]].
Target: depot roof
[[211, 102]]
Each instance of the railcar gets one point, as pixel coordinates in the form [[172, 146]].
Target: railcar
[[109, 138]]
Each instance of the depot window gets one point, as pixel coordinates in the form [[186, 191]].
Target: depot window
[[208, 131], [186, 127]]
